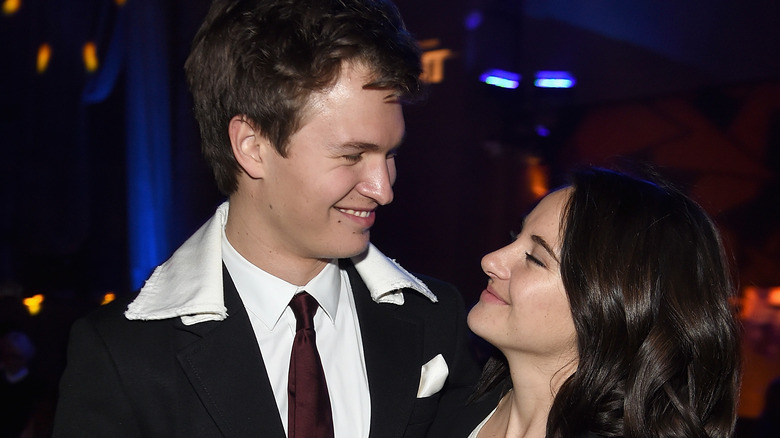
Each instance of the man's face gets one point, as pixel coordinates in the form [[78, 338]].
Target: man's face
[[320, 201]]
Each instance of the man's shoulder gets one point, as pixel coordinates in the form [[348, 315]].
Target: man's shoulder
[[437, 283], [109, 322], [111, 312], [443, 290], [448, 298]]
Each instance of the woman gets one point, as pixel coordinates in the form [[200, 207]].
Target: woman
[[611, 311]]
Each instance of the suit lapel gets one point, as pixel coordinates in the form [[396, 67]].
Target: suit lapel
[[393, 350], [227, 371]]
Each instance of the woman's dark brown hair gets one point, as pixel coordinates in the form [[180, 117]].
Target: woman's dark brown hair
[[650, 292]]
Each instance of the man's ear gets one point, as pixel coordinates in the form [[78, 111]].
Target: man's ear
[[248, 145]]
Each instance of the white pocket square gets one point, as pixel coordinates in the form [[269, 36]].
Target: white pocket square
[[432, 376]]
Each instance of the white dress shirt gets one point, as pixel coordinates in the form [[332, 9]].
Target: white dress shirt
[[267, 298]]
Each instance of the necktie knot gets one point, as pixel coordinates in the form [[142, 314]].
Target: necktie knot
[[304, 306]]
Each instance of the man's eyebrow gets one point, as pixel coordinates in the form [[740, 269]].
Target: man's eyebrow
[[356, 146], [359, 146], [543, 243]]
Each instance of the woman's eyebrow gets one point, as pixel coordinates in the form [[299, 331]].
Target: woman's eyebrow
[[543, 243]]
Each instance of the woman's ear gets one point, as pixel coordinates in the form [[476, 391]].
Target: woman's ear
[[248, 144]]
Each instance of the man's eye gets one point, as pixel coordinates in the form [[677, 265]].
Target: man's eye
[[534, 260], [353, 158]]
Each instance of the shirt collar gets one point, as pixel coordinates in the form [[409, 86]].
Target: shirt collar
[[189, 284]]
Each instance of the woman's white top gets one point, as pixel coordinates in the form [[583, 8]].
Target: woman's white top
[[476, 430]]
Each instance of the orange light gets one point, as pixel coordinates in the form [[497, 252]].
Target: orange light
[[33, 304], [537, 177], [44, 55], [11, 6], [107, 298], [433, 65], [774, 297], [90, 57], [120, 2]]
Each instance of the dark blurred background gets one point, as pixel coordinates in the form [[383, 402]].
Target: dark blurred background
[[101, 176]]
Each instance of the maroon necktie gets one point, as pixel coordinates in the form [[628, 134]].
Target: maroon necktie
[[308, 411]]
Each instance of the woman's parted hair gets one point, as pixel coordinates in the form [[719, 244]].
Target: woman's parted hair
[[650, 293], [264, 58]]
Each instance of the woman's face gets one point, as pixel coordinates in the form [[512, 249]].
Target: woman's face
[[524, 308]]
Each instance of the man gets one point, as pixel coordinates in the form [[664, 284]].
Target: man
[[299, 105]]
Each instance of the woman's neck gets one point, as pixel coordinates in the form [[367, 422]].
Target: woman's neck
[[523, 411]]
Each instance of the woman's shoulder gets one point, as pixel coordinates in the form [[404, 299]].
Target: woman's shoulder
[[462, 421]]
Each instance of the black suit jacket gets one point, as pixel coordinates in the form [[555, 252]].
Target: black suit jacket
[[165, 379], [459, 422]]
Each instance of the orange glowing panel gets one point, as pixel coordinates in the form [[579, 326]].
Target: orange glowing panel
[[90, 57], [433, 65], [33, 304], [11, 6], [44, 55]]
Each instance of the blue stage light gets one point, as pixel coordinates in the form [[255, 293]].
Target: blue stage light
[[473, 20], [554, 79], [542, 131], [501, 78]]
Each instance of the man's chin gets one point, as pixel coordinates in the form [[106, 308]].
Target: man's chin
[[355, 250]]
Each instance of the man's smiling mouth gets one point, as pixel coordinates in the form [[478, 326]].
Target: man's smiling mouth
[[358, 213]]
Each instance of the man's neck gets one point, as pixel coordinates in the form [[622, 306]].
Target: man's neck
[[243, 236]]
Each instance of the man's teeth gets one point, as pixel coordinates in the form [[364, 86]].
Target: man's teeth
[[355, 213]]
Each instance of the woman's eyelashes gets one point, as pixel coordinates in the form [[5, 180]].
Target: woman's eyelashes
[[530, 257]]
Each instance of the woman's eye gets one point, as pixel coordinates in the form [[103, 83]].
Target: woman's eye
[[534, 260]]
